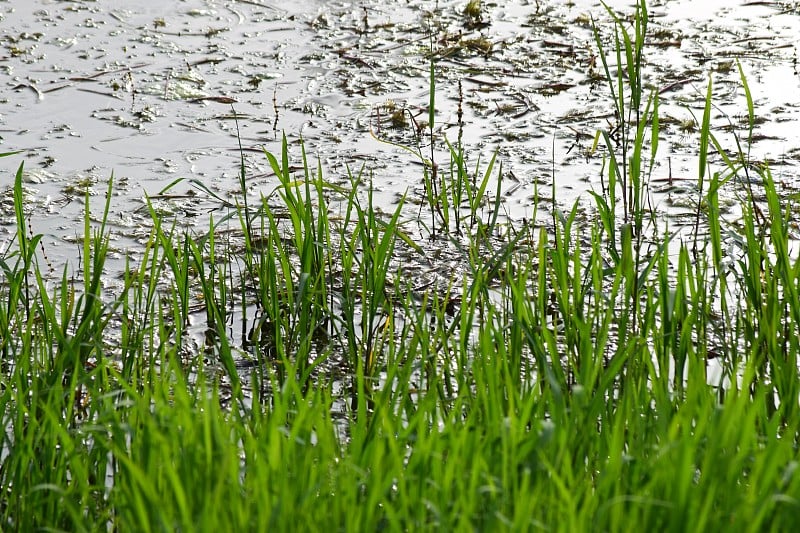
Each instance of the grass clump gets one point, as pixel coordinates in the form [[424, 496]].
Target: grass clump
[[563, 384]]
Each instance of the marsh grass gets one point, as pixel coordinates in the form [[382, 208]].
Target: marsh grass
[[562, 384]]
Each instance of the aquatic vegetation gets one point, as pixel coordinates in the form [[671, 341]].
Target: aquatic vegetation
[[289, 365], [473, 14]]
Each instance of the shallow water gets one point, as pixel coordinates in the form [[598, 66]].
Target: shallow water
[[148, 93]]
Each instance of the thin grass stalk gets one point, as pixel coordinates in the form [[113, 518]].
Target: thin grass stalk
[[703, 161], [434, 177]]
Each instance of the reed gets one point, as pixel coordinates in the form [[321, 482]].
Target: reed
[[562, 384]]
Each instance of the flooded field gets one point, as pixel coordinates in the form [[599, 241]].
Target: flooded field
[[150, 93], [409, 265]]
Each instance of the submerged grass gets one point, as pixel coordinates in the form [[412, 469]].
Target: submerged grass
[[563, 384]]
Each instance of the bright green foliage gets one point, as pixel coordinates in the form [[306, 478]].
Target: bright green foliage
[[562, 385]]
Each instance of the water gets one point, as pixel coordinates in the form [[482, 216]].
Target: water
[[148, 92]]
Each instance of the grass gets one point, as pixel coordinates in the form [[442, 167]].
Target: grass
[[563, 384]]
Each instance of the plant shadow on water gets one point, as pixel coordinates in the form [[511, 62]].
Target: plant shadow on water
[[308, 358]]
